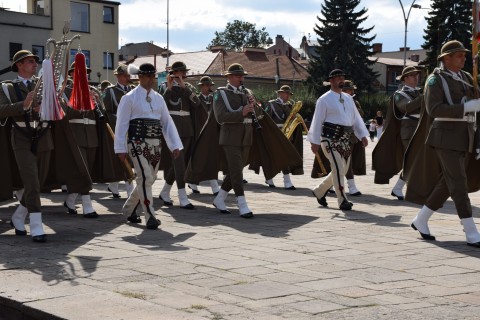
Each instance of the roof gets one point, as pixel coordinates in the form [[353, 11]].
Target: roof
[[393, 62], [197, 62], [260, 65]]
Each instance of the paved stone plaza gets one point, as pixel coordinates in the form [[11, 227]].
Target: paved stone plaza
[[294, 260]]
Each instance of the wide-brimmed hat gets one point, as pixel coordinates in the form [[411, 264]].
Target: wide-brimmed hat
[[451, 47], [72, 67], [179, 66], [105, 84], [236, 69], [205, 80], [336, 73], [348, 85], [407, 71], [121, 69], [20, 55], [285, 89], [146, 68]]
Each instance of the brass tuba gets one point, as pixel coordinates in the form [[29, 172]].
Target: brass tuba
[[294, 119]]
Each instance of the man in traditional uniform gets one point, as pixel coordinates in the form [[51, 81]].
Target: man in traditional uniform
[[111, 98], [201, 115], [233, 111], [335, 122], [181, 101], [142, 116], [401, 122], [358, 166], [84, 126], [447, 130], [279, 109], [31, 141]]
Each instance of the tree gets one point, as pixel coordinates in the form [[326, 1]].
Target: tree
[[448, 20], [241, 34], [342, 44]]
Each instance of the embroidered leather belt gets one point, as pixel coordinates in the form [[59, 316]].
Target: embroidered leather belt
[[470, 118], [83, 121], [141, 129], [32, 124], [180, 113], [336, 132]]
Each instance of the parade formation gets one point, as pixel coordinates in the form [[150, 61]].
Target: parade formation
[[123, 134]]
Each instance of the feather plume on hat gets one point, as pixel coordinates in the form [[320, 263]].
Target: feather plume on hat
[[132, 69]]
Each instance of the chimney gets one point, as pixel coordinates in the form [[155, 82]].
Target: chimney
[[278, 39], [404, 49], [415, 57], [217, 48], [377, 47]]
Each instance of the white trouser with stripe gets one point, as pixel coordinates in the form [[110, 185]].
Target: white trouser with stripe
[[146, 159], [336, 177]]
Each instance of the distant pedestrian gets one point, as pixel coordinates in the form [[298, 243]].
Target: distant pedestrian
[[379, 119], [372, 128]]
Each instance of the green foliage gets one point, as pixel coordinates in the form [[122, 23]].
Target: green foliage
[[371, 103], [448, 20], [342, 45], [241, 34]]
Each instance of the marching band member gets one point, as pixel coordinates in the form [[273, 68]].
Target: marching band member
[[32, 142], [401, 122], [279, 109], [335, 121], [206, 100], [232, 110], [142, 117], [111, 98], [181, 101]]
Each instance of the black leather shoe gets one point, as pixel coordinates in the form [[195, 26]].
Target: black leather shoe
[[193, 190], [475, 245], [71, 211], [291, 188], [270, 185], [226, 211], [331, 191], [247, 215], [114, 195], [91, 215], [398, 197], [244, 181], [345, 205], [40, 238], [424, 235], [356, 194], [153, 223], [167, 203], [18, 232], [321, 201], [134, 218], [188, 207]]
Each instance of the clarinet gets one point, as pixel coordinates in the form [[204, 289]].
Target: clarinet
[[253, 116]]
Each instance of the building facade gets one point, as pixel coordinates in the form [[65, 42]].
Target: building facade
[[96, 21]]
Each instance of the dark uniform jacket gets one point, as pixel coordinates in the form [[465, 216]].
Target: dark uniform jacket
[[182, 99], [400, 124], [421, 167], [111, 98]]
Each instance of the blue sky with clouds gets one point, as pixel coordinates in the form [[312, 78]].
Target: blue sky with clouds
[[192, 23]]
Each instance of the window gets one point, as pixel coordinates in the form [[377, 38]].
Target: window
[[107, 60], [39, 7], [108, 14], [14, 48], [39, 51], [73, 52], [79, 13]]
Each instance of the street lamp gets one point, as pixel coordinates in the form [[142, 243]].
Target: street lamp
[[405, 18]]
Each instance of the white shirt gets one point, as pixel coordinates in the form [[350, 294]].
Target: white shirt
[[134, 105], [329, 108]]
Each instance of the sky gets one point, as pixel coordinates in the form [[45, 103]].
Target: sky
[[192, 23]]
